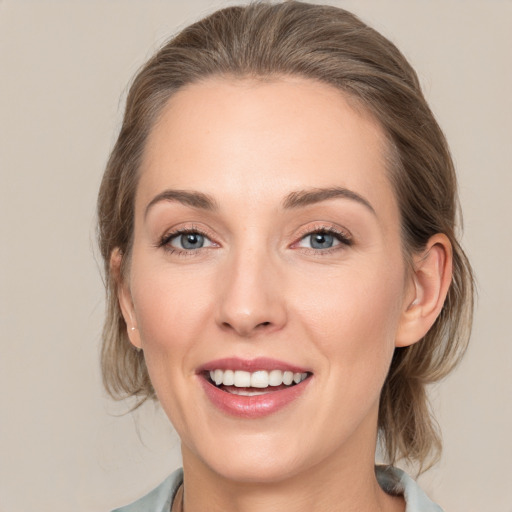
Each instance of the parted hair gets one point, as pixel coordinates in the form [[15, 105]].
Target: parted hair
[[330, 45]]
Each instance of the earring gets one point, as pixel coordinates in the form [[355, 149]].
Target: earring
[[132, 328]]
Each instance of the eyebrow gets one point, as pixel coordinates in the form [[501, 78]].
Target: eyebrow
[[308, 197], [297, 199], [188, 198]]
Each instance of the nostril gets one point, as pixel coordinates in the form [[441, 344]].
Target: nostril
[[247, 330]]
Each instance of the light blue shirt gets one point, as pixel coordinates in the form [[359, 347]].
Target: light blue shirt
[[392, 480]]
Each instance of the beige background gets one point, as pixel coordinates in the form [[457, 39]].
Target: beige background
[[63, 68]]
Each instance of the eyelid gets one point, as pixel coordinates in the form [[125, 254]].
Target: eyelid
[[176, 231], [177, 236], [342, 235]]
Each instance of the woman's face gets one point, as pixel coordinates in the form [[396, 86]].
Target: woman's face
[[267, 240]]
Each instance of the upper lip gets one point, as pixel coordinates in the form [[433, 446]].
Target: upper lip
[[251, 365]]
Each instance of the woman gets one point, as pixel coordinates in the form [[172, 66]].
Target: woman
[[277, 222]]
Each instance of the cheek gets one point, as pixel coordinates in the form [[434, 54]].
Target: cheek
[[171, 309], [354, 318], [169, 305]]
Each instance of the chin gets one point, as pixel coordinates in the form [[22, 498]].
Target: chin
[[257, 458], [260, 470]]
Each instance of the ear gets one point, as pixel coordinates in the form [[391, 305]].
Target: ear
[[124, 297], [427, 289]]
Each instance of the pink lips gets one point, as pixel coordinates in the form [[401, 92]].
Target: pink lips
[[252, 365], [251, 406]]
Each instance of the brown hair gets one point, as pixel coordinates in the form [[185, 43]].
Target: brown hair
[[330, 45]]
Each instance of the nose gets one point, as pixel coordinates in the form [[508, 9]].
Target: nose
[[252, 295]]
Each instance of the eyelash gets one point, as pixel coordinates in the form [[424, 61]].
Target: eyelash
[[343, 237], [166, 239]]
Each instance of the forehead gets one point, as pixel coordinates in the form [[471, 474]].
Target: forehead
[[235, 137]]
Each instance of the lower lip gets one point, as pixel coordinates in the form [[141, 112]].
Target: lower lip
[[256, 406]]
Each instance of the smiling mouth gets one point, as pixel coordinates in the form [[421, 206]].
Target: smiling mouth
[[260, 382]]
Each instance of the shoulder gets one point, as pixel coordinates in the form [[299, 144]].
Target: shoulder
[[397, 482], [159, 499]]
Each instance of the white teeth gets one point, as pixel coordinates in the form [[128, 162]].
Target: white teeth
[[275, 378], [287, 378], [242, 379], [228, 378], [218, 377], [259, 379]]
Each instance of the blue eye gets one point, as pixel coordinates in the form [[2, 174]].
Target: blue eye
[[322, 240], [190, 241], [187, 241]]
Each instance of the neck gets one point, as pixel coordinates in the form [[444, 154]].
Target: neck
[[343, 482]]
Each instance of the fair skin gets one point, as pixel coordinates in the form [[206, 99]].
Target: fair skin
[[316, 281]]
